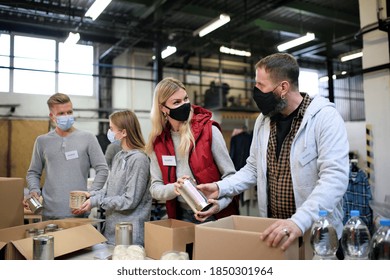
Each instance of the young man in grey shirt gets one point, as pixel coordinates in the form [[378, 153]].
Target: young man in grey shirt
[[65, 156]]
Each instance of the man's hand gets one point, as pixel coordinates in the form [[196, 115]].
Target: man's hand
[[202, 216], [282, 232], [210, 190]]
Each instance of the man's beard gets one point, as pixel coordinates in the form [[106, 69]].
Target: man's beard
[[280, 106]]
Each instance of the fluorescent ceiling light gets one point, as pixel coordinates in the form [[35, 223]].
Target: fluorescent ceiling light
[[97, 8], [168, 51], [223, 49], [212, 25], [350, 56], [296, 42], [72, 39]]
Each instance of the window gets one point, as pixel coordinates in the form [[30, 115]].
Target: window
[[4, 62], [34, 64], [74, 58], [308, 82], [43, 66]]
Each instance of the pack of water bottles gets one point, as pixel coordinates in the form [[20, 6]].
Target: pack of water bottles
[[356, 240]]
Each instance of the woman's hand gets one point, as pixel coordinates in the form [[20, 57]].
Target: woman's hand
[[179, 183], [85, 207]]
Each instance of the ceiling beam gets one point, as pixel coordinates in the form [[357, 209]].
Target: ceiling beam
[[324, 13]]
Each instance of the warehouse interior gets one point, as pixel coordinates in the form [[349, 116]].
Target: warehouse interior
[[128, 38]]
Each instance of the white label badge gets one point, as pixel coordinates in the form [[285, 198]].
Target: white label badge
[[71, 155], [169, 160]]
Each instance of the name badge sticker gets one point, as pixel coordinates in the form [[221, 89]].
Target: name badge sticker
[[71, 155], [169, 160]]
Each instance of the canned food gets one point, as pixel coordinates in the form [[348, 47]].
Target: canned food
[[34, 205], [43, 247], [194, 198], [124, 233], [76, 199], [31, 232], [51, 228]]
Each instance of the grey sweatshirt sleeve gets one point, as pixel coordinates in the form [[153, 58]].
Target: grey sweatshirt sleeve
[[35, 170], [158, 190], [98, 162], [224, 162]]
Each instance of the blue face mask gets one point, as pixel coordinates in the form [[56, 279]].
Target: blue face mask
[[111, 137], [65, 122]]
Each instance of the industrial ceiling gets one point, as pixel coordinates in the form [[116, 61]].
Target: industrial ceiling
[[257, 26]]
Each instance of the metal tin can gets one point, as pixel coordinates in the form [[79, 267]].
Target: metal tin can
[[51, 227], [194, 198], [124, 233], [31, 232], [35, 205], [43, 247]]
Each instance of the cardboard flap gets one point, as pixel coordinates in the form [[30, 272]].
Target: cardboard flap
[[65, 241], [237, 238], [2, 244]]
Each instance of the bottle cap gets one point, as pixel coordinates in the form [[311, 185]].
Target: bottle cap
[[385, 222], [323, 213], [355, 213]]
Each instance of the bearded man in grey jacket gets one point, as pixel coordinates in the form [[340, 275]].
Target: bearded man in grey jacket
[[298, 156]]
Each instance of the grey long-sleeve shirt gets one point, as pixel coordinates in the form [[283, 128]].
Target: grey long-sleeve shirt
[[126, 197], [65, 162], [221, 157]]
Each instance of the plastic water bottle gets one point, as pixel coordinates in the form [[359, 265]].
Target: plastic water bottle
[[323, 238], [380, 242], [355, 239]]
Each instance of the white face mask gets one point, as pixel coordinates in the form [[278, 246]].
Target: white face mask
[[65, 122], [111, 137]]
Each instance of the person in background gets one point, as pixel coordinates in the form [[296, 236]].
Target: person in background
[[298, 156], [185, 142], [110, 153], [126, 197], [64, 156]]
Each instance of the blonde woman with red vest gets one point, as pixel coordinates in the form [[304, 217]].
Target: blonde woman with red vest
[[185, 142]]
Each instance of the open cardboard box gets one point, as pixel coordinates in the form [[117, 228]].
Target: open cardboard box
[[168, 235], [237, 238], [76, 234], [11, 197]]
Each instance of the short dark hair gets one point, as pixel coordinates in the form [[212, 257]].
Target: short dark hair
[[280, 66]]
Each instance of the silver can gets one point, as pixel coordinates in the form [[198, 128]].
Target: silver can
[[194, 198], [31, 232], [43, 247], [35, 205], [124, 233]]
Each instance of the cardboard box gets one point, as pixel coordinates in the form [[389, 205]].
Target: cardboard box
[[237, 238], [168, 235], [11, 197], [76, 234]]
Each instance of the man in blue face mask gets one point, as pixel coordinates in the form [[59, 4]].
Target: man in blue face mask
[[65, 155]]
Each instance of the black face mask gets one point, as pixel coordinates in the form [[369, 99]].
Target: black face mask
[[180, 113], [266, 102]]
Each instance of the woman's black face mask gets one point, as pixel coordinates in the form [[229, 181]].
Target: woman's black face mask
[[180, 113], [266, 102]]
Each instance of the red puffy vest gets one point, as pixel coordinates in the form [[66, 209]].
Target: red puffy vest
[[200, 158]]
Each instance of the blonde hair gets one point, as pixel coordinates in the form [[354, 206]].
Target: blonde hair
[[165, 89], [128, 120], [57, 98]]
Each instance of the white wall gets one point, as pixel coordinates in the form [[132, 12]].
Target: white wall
[[357, 141], [377, 97], [35, 106]]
